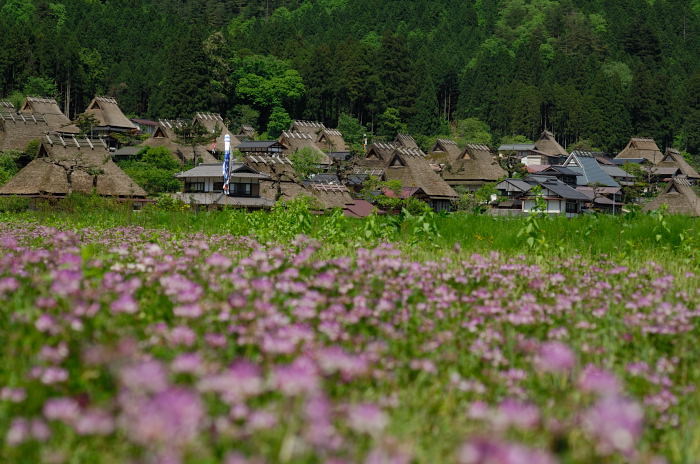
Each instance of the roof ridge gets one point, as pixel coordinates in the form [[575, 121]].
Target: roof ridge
[[106, 99]]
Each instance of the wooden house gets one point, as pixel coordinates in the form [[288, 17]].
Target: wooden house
[[548, 145], [295, 141], [52, 114], [17, 130], [412, 168], [331, 141], [246, 132], [203, 186], [214, 122], [559, 198], [165, 136], [469, 168], [109, 116], [75, 164], [642, 148], [589, 171], [260, 147], [674, 165], [679, 197]]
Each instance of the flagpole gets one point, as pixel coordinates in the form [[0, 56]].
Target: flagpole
[[227, 163]]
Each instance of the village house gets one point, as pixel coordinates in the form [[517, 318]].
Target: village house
[[109, 116], [260, 147], [641, 148], [203, 185], [145, 126], [166, 136], [679, 197], [468, 169], [246, 132], [295, 141], [545, 151], [213, 122], [17, 130], [411, 167], [52, 114], [674, 165], [559, 198], [73, 164]]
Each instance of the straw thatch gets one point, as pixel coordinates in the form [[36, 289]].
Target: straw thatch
[[86, 162], [109, 115], [548, 144], [17, 130], [246, 131], [445, 150], [475, 165], [212, 122], [680, 198], [638, 148], [331, 140], [294, 141], [406, 141], [165, 136], [312, 128], [673, 158], [48, 108]]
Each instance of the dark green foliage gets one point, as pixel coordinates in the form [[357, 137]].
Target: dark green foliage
[[155, 171], [598, 71], [8, 165]]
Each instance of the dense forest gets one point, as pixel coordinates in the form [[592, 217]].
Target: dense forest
[[593, 71]]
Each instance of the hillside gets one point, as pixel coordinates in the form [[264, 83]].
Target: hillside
[[592, 70]]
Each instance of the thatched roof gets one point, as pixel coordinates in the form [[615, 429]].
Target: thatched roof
[[641, 148], [48, 108], [294, 141], [408, 165], [313, 128], [548, 144], [445, 150], [673, 158], [212, 121], [91, 165], [406, 141], [331, 140], [108, 114], [680, 198], [17, 130], [247, 131], [474, 165], [165, 136], [272, 165]]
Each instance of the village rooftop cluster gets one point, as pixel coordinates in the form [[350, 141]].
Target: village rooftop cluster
[[553, 180]]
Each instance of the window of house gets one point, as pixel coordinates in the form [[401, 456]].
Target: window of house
[[192, 187], [218, 186], [571, 207], [241, 189]]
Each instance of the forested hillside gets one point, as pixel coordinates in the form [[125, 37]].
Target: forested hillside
[[592, 70]]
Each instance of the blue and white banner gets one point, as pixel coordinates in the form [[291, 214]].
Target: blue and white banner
[[227, 161]]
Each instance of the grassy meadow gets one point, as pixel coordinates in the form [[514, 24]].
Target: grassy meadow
[[162, 336]]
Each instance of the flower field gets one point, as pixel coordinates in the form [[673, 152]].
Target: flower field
[[135, 345]]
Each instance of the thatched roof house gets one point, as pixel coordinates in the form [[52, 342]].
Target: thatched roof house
[[48, 108], [641, 148], [165, 136], [246, 132], [405, 141], [548, 144], [412, 168], [331, 140], [312, 128], [675, 161], [18, 129], [212, 122], [109, 116], [72, 165], [445, 150], [294, 141], [680, 198], [471, 168]]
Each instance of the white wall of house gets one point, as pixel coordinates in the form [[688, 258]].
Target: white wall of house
[[553, 207], [208, 182], [535, 160]]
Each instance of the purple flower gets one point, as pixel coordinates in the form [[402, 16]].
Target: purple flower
[[367, 418], [125, 304], [146, 376], [488, 451], [512, 412], [61, 409], [596, 380], [555, 357], [616, 423]]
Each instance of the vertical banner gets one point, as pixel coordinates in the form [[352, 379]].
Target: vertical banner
[[227, 162]]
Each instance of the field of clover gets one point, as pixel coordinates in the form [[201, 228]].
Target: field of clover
[[130, 345]]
